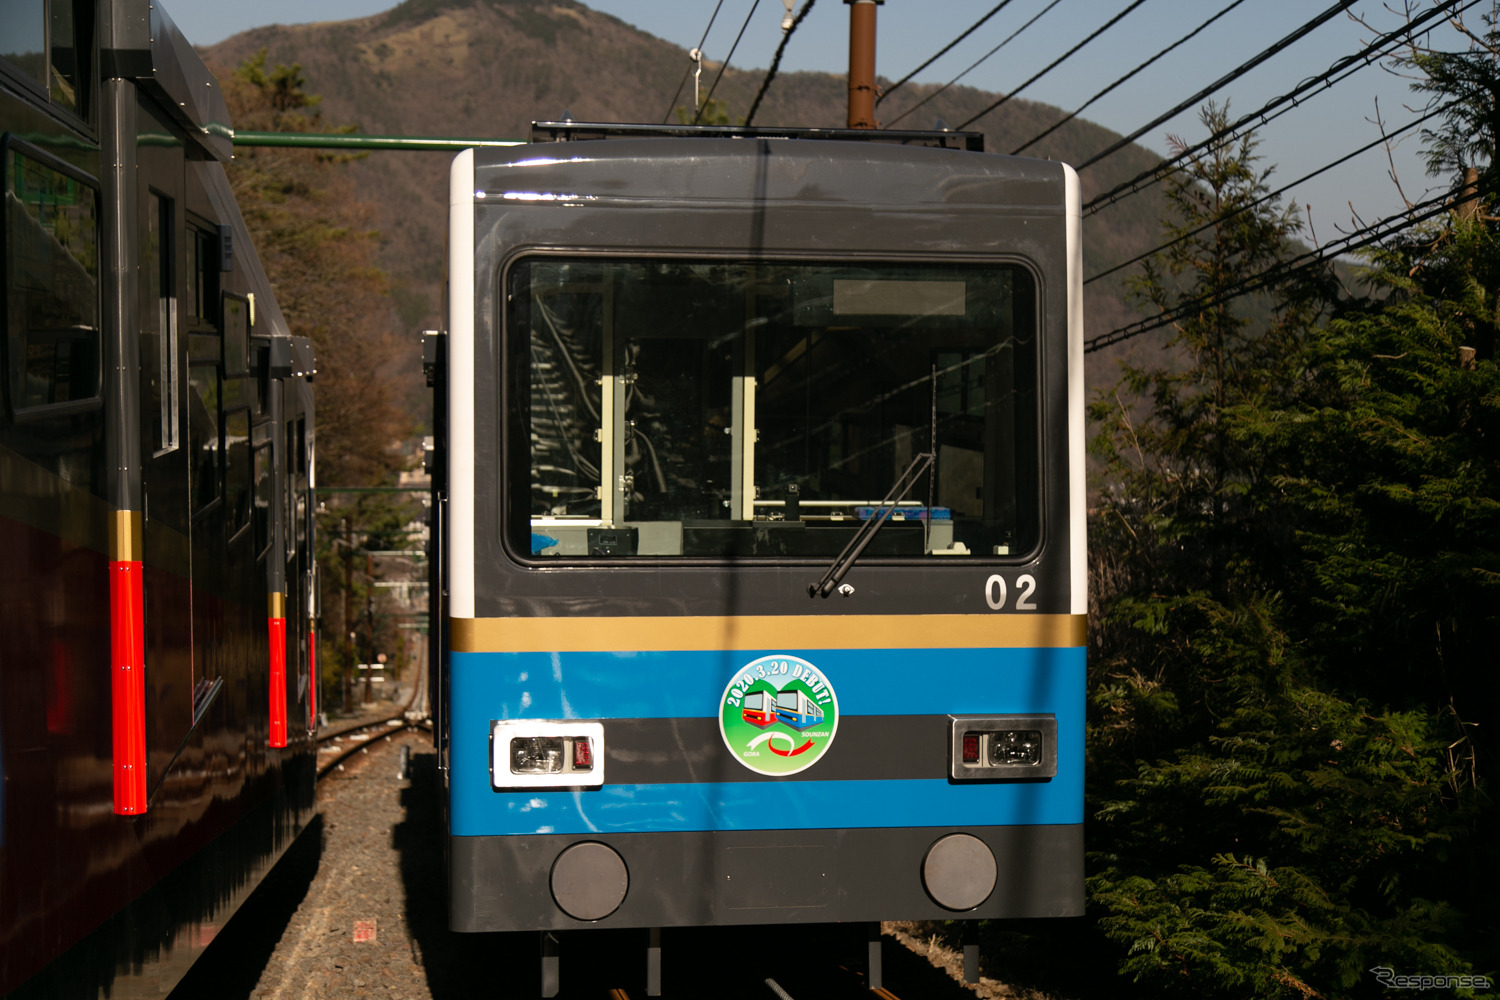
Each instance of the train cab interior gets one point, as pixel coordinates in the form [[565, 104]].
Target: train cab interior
[[733, 408]]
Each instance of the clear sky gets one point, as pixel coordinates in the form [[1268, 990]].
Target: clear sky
[[1325, 128]]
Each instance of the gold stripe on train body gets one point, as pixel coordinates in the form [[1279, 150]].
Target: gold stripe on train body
[[276, 605], [791, 632], [126, 534]]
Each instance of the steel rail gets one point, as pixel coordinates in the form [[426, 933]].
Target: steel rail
[[327, 768]]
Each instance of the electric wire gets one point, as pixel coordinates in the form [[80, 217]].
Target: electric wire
[[786, 36], [941, 52], [972, 66], [725, 64], [1357, 240], [1339, 71], [1384, 138], [1076, 111], [711, 18], [1274, 49], [1059, 61]]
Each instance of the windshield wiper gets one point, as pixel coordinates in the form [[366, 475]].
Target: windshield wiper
[[866, 532]]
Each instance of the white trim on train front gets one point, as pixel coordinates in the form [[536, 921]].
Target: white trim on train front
[[461, 373], [1077, 485]]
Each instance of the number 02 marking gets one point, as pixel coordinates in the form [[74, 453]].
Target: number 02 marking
[[995, 592]]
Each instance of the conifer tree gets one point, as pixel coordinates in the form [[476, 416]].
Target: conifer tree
[[1283, 772], [1183, 521], [314, 240]]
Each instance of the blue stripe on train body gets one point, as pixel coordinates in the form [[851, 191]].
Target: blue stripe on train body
[[596, 685]]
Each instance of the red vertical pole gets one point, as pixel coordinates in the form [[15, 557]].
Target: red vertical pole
[[276, 625], [127, 655]]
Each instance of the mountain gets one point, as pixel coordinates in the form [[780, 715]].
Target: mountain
[[490, 67]]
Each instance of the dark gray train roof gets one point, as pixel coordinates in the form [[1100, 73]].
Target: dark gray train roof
[[790, 171], [140, 42]]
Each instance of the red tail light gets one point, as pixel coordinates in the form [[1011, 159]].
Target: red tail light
[[583, 754]]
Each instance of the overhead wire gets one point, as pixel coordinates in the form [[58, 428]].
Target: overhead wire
[[1058, 61], [1384, 138], [1076, 111], [942, 52], [786, 36], [699, 49], [1273, 49], [1357, 240], [1336, 73], [972, 66], [725, 64]]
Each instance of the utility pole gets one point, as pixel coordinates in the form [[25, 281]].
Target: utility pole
[[862, 62], [369, 625], [348, 614], [1469, 207]]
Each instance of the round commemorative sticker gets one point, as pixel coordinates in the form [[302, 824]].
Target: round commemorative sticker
[[778, 715]]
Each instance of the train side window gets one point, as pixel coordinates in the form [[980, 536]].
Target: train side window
[[23, 38], [50, 45], [301, 478], [238, 473], [203, 276], [289, 464], [51, 284], [70, 47], [264, 495], [159, 323], [203, 436], [236, 334]]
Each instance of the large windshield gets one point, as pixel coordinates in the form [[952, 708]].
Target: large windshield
[[764, 409]]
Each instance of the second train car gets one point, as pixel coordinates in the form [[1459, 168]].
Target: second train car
[[157, 685], [734, 420]]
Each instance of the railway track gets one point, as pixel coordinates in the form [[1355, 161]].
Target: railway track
[[332, 748], [337, 747]]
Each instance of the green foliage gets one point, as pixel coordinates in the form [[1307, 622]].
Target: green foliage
[[1402, 514], [281, 87], [1243, 928], [1470, 80], [347, 535], [313, 238], [1297, 565], [713, 112]]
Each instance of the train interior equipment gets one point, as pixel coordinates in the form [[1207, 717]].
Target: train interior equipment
[[156, 455], [759, 562], [717, 443]]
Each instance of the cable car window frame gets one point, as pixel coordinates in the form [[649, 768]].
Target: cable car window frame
[[516, 459]]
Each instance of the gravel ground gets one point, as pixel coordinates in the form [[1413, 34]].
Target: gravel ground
[[355, 909], [350, 936]]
